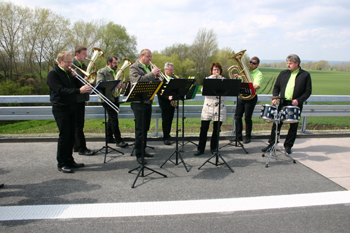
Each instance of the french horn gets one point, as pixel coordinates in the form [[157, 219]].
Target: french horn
[[126, 64]]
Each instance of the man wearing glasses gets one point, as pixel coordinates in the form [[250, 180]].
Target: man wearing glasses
[[64, 89], [247, 106]]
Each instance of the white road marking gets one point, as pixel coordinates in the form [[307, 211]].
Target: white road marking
[[110, 210]]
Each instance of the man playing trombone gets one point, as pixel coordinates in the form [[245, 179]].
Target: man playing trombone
[[107, 74], [64, 89]]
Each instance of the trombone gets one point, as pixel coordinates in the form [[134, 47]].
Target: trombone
[[85, 82]]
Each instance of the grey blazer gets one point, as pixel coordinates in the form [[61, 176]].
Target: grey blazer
[[138, 74]]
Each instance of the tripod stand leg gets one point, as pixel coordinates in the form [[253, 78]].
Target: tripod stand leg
[[217, 156], [141, 173]]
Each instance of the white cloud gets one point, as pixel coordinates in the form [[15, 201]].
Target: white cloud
[[270, 29]]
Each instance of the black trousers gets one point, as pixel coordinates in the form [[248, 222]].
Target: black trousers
[[293, 128], [203, 135], [167, 116], [113, 123], [65, 117], [80, 142], [247, 107], [141, 120]]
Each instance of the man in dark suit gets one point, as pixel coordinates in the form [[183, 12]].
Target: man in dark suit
[[64, 89], [294, 86], [80, 142], [141, 71], [165, 106]]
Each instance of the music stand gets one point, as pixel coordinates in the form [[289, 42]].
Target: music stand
[[142, 91], [177, 88], [220, 87], [248, 89], [191, 94], [107, 87]]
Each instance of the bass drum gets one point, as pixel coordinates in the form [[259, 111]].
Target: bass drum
[[290, 114], [267, 112]]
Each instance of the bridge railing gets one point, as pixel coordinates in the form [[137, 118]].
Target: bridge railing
[[190, 111]]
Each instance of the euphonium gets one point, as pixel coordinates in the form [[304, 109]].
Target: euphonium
[[91, 76], [127, 63], [243, 72]]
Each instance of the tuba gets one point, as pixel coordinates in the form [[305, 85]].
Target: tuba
[[127, 63], [91, 75], [243, 73]]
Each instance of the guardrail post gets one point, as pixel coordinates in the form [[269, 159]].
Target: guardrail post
[[303, 126], [157, 127]]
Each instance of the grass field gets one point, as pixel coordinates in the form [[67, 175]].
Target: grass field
[[323, 83]]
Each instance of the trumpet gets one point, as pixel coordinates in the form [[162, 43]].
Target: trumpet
[[91, 76], [162, 77], [85, 82]]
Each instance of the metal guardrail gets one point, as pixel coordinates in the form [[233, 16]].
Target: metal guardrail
[[191, 111]]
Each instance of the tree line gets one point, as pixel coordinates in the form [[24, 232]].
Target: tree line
[[30, 40]]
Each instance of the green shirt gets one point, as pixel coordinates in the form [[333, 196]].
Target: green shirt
[[112, 71], [147, 68], [257, 77], [288, 94]]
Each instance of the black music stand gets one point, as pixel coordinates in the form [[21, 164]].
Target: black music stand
[[107, 87], [142, 91], [220, 87], [191, 94], [177, 88], [246, 88]]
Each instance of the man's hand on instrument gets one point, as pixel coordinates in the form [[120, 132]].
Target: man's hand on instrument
[[274, 102], [156, 72], [295, 102], [256, 87], [85, 89]]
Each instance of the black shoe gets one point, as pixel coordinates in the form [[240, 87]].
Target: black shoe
[[122, 144], [267, 148], [111, 140], [198, 152], [288, 149], [76, 165], [247, 140], [1, 186], [167, 142], [234, 139], [65, 169], [148, 155], [213, 151], [87, 152], [75, 150], [139, 160]]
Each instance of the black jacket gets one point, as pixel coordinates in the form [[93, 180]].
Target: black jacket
[[302, 88], [81, 97], [62, 90]]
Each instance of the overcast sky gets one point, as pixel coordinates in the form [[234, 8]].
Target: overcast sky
[[269, 29]]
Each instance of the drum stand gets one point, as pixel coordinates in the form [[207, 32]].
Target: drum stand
[[272, 150]]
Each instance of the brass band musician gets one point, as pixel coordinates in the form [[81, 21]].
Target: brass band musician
[[164, 104], [106, 74], [138, 72]]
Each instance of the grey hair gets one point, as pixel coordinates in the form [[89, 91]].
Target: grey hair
[[293, 58], [167, 65]]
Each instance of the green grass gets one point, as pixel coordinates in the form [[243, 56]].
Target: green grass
[[323, 83]]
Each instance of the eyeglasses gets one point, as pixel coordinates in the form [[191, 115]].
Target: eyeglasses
[[254, 63]]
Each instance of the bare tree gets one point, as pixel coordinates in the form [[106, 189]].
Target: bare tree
[[203, 47]]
